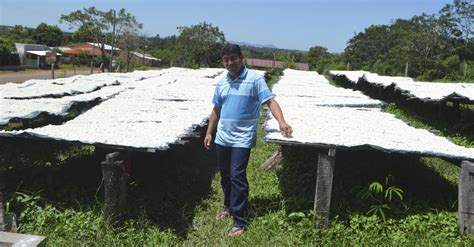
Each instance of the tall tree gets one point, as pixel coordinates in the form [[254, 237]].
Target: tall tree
[[386, 49], [458, 18], [457, 23], [200, 45], [85, 33], [316, 55], [48, 35], [164, 48], [365, 48], [102, 23], [19, 34], [6, 46], [129, 41]]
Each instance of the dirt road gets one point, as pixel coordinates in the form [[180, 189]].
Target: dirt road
[[21, 76]]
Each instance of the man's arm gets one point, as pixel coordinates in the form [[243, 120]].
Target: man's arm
[[212, 125], [285, 129]]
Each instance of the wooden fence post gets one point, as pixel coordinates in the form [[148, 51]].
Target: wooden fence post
[[322, 197], [115, 186], [52, 71], [466, 198], [465, 69], [406, 69]]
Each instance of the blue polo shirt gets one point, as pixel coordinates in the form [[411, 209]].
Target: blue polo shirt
[[240, 101]]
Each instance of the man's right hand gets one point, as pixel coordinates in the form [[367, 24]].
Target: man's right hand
[[207, 141]]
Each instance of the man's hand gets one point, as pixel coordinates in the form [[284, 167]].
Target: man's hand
[[212, 125], [285, 129], [207, 141]]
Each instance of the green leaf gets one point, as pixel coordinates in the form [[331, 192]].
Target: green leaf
[[376, 187]]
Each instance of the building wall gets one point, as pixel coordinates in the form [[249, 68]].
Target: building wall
[[26, 59]]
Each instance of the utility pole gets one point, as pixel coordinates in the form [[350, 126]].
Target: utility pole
[[144, 50], [113, 43]]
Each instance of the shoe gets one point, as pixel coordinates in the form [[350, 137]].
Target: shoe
[[224, 213], [235, 231]]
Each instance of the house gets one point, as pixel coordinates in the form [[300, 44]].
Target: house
[[145, 59], [34, 55], [89, 48], [266, 63]]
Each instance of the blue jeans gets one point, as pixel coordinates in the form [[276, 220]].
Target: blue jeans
[[233, 165]]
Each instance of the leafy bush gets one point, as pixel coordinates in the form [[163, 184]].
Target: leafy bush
[[381, 198]]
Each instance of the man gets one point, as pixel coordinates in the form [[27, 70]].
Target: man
[[237, 101]]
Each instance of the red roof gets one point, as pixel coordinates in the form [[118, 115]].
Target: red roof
[[82, 50], [273, 64]]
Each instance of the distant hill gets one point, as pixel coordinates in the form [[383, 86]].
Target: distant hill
[[253, 45], [269, 51], [4, 28]]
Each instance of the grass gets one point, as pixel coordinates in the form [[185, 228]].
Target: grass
[[17, 71], [55, 189], [173, 200], [463, 80]]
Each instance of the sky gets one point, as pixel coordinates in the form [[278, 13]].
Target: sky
[[288, 24]]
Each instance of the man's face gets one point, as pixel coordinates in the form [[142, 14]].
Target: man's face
[[233, 63]]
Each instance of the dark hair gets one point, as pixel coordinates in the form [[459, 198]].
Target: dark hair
[[230, 49]]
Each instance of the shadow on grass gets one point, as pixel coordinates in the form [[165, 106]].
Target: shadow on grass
[[261, 206], [59, 172], [424, 189], [166, 187]]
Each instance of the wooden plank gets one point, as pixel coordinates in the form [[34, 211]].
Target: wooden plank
[[322, 197], [271, 164], [466, 198], [115, 187]]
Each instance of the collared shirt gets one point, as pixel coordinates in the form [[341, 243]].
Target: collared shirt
[[240, 101]]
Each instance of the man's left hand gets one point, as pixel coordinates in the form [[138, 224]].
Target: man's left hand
[[286, 130]]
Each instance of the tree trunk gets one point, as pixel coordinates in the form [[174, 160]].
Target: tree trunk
[[128, 59], [102, 51]]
